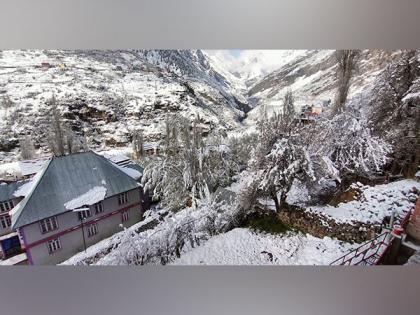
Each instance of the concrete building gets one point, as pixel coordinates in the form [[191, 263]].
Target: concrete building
[[74, 202], [9, 241]]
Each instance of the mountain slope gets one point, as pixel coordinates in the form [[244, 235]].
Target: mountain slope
[[311, 76], [106, 95]]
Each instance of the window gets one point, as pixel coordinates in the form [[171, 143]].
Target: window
[[125, 215], [92, 229], [53, 245], [48, 225], [122, 198], [5, 221], [6, 206], [98, 207], [84, 214]]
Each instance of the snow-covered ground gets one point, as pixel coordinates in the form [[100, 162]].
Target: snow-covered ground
[[243, 246], [374, 204]]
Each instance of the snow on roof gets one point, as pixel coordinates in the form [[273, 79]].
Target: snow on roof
[[66, 178], [133, 166], [30, 167], [8, 190], [25, 189], [24, 168], [131, 172], [89, 198], [11, 168], [116, 158]]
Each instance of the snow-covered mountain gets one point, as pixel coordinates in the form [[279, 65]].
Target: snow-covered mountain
[[252, 65], [108, 94], [311, 76]]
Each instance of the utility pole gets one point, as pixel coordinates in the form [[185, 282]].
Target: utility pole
[[82, 218], [83, 234]]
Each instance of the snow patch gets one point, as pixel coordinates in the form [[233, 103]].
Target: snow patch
[[375, 203], [242, 246], [91, 197]]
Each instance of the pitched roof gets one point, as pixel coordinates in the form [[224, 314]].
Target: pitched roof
[[136, 167], [7, 190], [66, 178]]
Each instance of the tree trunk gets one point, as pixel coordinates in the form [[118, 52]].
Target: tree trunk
[[276, 202]]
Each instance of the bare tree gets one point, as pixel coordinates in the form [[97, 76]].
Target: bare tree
[[138, 144], [289, 112], [56, 134], [27, 149], [74, 143], [6, 103], [346, 66]]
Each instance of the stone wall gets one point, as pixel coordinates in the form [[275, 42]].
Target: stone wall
[[319, 225]]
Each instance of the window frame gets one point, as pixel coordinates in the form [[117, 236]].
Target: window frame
[[5, 221], [57, 245], [98, 205], [44, 223], [122, 198], [125, 216], [83, 212], [92, 229], [6, 206]]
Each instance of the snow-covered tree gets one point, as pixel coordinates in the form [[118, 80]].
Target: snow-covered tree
[[188, 164], [289, 111], [288, 160], [346, 145], [394, 111], [240, 146], [6, 104], [176, 233]]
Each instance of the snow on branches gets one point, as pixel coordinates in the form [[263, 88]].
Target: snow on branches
[[178, 232], [188, 164], [288, 160], [346, 145], [315, 156]]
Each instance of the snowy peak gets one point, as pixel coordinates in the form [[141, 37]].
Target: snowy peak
[[252, 65]]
